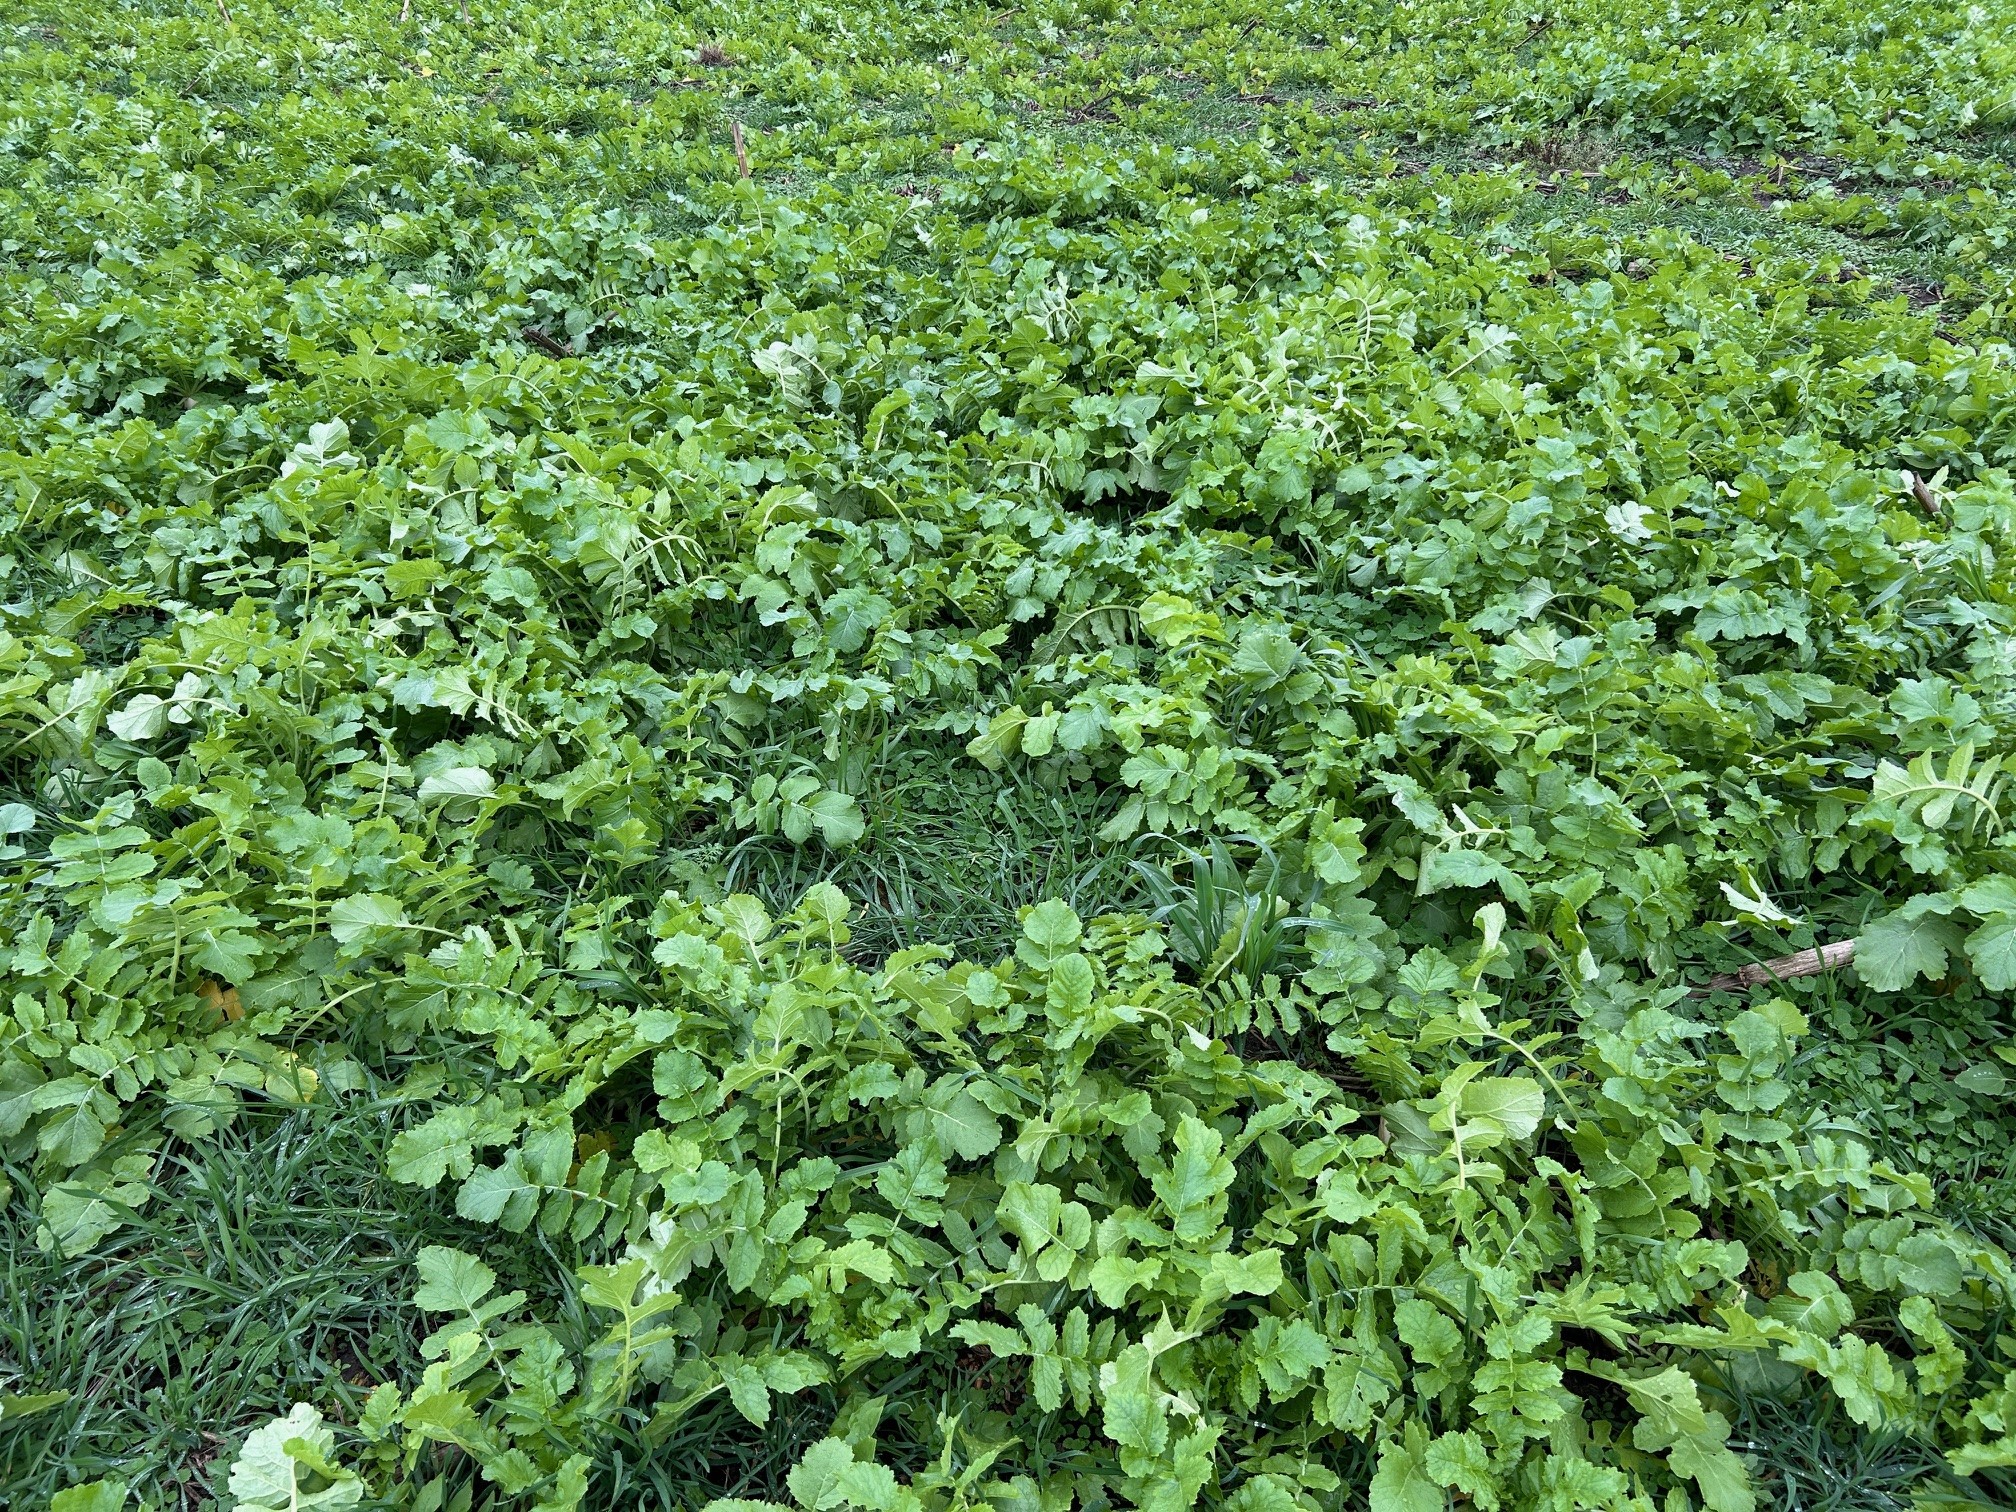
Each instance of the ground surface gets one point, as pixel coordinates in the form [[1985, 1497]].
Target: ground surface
[[898, 755]]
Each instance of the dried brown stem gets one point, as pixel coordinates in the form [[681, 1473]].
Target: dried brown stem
[[741, 151], [1922, 492], [1800, 964], [546, 343]]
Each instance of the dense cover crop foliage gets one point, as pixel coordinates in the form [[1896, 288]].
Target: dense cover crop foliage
[[1033, 808]]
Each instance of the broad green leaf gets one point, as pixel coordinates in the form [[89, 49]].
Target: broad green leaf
[[747, 1389], [503, 1192], [837, 817], [1402, 1482], [361, 916], [451, 1281], [458, 782], [1257, 1274], [816, 1483], [1992, 949], [1459, 1461], [145, 717], [1288, 1354], [1983, 1079], [1895, 950], [283, 1459], [108, 1495], [77, 1216], [1813, 1302], [1507, 1107], [1192, 1186], [1114, 1277], [871, 1486], [1694, 1437], [1052, 927], [1135, 1415], [967, 1129], [1266, 656], [1171, 620], [15, 1406]]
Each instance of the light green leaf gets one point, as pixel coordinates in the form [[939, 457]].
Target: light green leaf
[[747, 1390], [1192, 1186], [144, 717], [1982, 1079], [1113, 1277], [1814, 1302], [869, 1485], [1266, 656], [108, 1495], [1900, 947], [71, 1135], [1135, 1416], [966, 1128], [451, 1281], [1992, 949], [358, 917], [1459, 1461], [1052, 926], [1402, 1482], [1508, 1107], [1172, 620], [15, 1406], [503, 1192], [78, 1215], [458, 782], [1255, 1275], [283, 1461], [838, 818], [816, 1479], [1694, 1437]]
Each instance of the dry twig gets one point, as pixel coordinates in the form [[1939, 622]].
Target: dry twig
[[546, 343], [1799, 964], [1922, 492], [741, 152]]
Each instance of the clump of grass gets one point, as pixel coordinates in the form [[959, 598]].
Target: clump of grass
[[1224, 918], [950, 857], [1808, 1457], [271, 1266]]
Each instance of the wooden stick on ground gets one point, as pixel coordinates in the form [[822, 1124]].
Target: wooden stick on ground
[[1802, 963], [546, 343], [1922, 492], [741, 152]]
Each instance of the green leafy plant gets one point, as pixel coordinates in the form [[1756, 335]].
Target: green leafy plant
[[1225, 918], [592, 601]]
